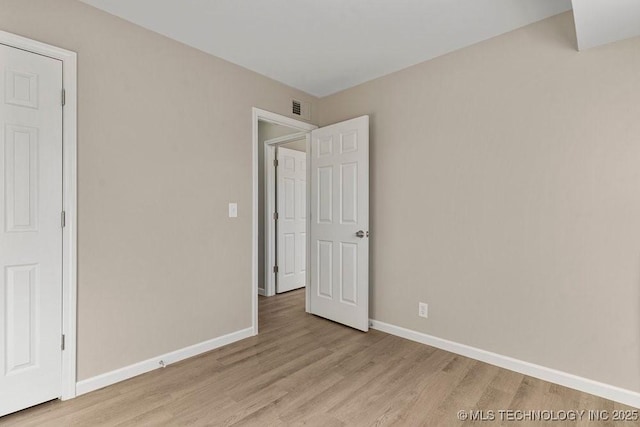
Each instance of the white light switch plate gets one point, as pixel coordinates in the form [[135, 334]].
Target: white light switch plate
[[233, 210]]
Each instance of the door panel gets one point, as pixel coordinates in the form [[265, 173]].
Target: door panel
[[21, 163], [291, 225], [30, 229], [325, 269], [340, 206], [348, 273], [349, 193], [325, 195]]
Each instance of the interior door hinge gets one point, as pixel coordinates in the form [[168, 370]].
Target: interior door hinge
[[64, 97], [63, 219], [62, 343], [275, 268], [275, 163], [276, 216]]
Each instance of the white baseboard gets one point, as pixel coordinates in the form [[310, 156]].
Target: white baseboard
[[262, 292], [596, 388], [109, 378]]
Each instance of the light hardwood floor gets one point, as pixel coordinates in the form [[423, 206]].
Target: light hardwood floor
[[303, 370]]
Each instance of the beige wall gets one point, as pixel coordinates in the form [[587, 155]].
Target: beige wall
[[164, 145], [266, 131], [505, 193]]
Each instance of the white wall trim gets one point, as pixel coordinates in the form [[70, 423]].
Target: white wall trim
[[109, 378], [69, 202], [586, 385], [286, 138], [270, 258], [307, 295], [258, 115]]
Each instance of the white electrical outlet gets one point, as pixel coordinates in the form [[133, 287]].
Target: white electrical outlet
[[423, 309]]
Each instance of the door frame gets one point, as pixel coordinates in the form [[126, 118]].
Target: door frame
[[69, 199], [271, 254], [267, 116]]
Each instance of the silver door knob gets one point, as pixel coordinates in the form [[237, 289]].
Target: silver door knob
[[360, 234]]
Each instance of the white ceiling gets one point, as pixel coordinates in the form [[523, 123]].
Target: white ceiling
[[322, 47], [599, 22]]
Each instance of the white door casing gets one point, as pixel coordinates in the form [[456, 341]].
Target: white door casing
[[291, 224], [340, 222], [30, 229]]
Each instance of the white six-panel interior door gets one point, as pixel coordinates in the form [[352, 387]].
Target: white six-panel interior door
[[340, 223], [292, 217], [30, 229]]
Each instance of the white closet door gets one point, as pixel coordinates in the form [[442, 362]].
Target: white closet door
[[292, 233], [30, 229]]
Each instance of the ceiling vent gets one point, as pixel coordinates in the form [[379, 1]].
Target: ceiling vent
[[301, 109]]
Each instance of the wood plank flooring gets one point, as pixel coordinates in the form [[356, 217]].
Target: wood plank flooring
[[303, 370]]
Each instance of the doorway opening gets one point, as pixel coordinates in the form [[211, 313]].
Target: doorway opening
[[335, 184], [280, 224], [283, 211]]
